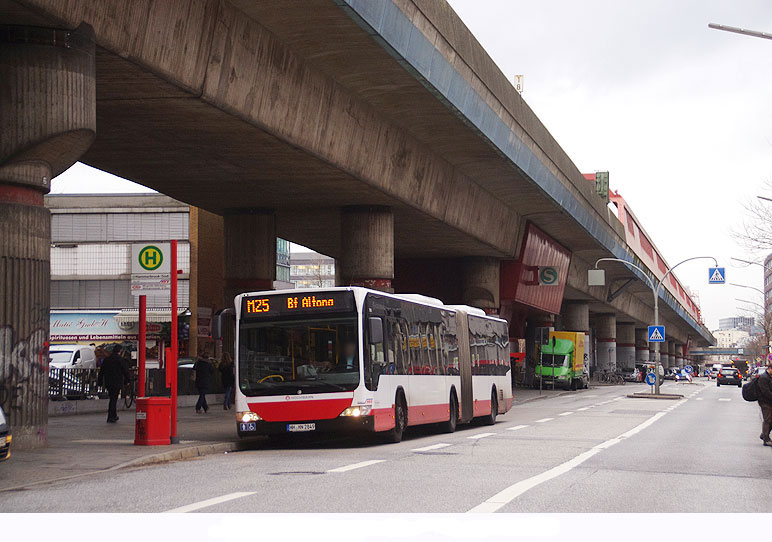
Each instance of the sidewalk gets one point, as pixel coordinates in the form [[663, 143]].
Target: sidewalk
[[85, 444]]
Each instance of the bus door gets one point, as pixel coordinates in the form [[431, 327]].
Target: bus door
[[464, 367]]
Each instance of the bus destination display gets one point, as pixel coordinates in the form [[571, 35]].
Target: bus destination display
[[297, 303]]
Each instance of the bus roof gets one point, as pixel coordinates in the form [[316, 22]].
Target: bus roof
[[413, 298]]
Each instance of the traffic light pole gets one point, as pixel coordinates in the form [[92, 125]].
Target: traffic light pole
[[655, 291]]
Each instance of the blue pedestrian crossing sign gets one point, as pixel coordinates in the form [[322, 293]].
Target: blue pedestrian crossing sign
[[716, 275], [656, 334]]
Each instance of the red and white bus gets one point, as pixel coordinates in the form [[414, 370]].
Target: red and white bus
[[339, 359]]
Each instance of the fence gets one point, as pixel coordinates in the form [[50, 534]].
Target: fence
[[75, 384]]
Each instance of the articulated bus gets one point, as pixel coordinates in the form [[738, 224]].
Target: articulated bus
[[346, 359]]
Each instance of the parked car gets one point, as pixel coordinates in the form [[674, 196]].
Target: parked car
[[632, 376], [670, 374], [72, 356], [729, 375], [5, 437]]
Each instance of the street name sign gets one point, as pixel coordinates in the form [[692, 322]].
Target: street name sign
[[656, 334], [716, 275], [150, 268]]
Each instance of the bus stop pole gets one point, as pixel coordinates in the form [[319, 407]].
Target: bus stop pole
[[171, 367], [141, 346]]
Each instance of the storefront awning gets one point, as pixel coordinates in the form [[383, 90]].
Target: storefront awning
[[128, 316]]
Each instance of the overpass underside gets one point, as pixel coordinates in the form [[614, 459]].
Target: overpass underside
[[379, 133]]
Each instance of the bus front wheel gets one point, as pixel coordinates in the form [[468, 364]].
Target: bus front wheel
[[400, 420]]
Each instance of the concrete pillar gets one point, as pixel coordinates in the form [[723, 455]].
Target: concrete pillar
[[641, 345], [250, 251], [626, 346], [679, 355], [606, 330], [671, 353], [480, 287], [576, 317], [47, 121], [367, 247]]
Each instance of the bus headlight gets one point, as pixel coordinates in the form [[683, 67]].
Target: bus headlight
[[245, 417], [356, 411]]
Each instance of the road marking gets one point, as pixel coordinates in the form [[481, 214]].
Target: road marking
[[724, 399], [357, 465], [516, 428], [432, 447], [699, 399], [210, 502], [544, 420], [509, 494], [590, 396], [565, 413], [583, 409], [481, 435]]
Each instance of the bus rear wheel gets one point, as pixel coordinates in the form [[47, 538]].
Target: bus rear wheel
[[450, 425], [491, 418], [400, 420]]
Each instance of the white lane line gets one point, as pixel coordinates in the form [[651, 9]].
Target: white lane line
[[698, 399], [432, 447], [565, 413], [724, 399], [509, 494], [583, 409], [516, 428], [544, 420], [210, 502], [589, 396], [357, 465], [481, 435]]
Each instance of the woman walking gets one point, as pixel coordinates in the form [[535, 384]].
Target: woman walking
[[203, 370]]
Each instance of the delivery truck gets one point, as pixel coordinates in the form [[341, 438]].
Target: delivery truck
[[562, 361]]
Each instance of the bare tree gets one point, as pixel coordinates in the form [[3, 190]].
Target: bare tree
[[755, 232]]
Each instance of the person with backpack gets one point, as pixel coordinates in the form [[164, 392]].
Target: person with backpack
[[764, 392]]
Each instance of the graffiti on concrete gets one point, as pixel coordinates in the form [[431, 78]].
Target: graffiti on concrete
[[24, 377]]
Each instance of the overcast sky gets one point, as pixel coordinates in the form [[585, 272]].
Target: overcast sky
[[680, 115]]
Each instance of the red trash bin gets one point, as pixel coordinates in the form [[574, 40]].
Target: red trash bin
[[152, 422]]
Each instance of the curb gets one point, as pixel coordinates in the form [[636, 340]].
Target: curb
[[182, 453], [665, 396]]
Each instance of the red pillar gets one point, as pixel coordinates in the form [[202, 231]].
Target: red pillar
[[171, 364], [141, 346]]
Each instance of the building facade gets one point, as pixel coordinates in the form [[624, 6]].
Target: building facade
[[312, 270], [92, 237]]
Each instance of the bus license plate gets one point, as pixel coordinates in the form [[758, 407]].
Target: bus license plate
[[300, 427], [250, 426]]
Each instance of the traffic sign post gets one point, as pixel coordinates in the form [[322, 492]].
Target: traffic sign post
[[150, 269], [716, 275], [651, 380], [689, 369], [656, 334]]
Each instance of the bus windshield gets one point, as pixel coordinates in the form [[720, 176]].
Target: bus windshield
[[298, 356]]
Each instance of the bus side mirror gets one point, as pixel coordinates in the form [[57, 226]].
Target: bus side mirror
[[374, 330]]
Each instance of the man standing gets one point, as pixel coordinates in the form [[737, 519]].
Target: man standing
[[113, 375], [203, 369], [765, 402]]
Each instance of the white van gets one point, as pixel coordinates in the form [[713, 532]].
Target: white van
[[72, 356]]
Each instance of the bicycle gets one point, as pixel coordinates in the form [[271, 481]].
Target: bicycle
[[130, 390]]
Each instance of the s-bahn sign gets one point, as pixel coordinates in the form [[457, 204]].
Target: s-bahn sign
[[150, 268], [548, 276]]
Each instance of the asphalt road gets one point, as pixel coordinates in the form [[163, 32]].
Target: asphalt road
[[592, 451]]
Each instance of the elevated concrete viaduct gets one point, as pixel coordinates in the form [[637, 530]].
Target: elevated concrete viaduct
[[380, 133]]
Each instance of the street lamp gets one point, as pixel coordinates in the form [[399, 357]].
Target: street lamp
[[744, 286], [744, 31], [765, 199], [595, 277], [747, 261]]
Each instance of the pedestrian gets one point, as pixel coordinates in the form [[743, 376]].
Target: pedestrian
[[113, 375], [203, 369], [226, 375], [764, 388]]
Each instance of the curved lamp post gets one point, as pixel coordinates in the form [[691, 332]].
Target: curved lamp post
[[596, 277]]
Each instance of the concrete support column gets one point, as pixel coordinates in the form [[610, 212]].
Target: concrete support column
[[679, 355], [480, 285], [250, 251], [47, 121], [367, 247], [576, 317], [626, 346], [606, 330], [641, 345], [671, 353], [664, 355]]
